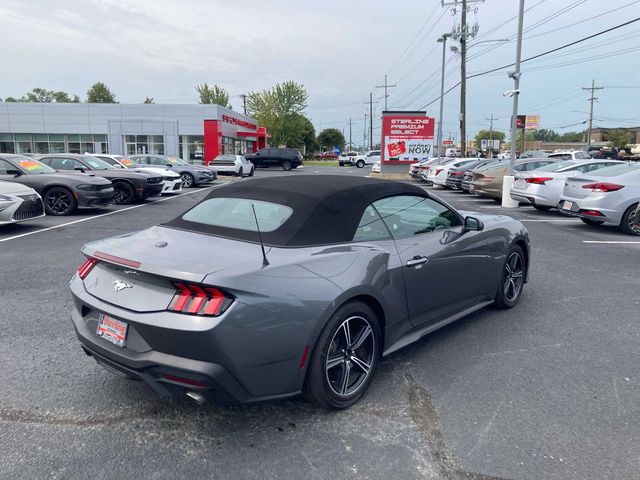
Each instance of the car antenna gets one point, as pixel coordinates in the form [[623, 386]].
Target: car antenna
[[265, 262]]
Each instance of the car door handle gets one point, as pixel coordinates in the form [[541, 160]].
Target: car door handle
[[417, 260]]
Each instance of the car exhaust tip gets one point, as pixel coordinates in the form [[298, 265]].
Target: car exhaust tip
[[197, 397]]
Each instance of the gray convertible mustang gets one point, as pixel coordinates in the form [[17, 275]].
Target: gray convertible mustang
[[271, 287]]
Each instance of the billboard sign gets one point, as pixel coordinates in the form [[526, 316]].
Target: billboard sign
[[406, 137], [532, 122]]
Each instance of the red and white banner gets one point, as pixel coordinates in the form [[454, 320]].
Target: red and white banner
[[406, 137]]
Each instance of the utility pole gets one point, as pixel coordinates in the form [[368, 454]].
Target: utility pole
[[593, 98], [244, 103], [386, 86], [491, 119], [364, 132], [442, 39], [350, 145], [370, 102], [462, 32]]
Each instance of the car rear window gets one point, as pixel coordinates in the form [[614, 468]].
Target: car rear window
[[238, 213], [554, 167], [616, 170]]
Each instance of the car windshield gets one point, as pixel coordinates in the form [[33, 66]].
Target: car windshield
[[237, 213], [616, 170], [176, 161], [97, 164], [557, 166], [29, 165]]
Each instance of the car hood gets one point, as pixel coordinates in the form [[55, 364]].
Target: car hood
[[11, 188], [157, 171], [73, 178], [133, 174]]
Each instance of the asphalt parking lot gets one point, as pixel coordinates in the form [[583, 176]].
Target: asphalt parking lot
[[547, 390]]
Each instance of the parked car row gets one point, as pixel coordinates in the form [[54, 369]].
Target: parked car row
[[359, 159], [598, 191], [59, 184]]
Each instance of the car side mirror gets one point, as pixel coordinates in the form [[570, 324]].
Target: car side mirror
[[15, 172], [80, 169], [169, 165], [472, 224]]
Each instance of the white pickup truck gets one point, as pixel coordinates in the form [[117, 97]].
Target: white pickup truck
[[368, 158]]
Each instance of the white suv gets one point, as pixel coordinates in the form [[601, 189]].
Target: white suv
[[368, 158]]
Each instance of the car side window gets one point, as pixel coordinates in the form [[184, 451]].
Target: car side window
[[371, 227], [408, 215], [5, 166]]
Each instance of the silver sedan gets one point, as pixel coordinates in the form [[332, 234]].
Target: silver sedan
[[609, 195], [543, 186], [19, 203]]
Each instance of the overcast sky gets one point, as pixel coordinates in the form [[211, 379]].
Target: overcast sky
[[338, 49]]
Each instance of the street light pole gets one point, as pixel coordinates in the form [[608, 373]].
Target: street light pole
[[507, 181], [442, 39]]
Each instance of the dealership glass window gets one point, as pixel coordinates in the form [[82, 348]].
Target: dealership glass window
[[193, 149], [228, 145], [52, 143], [250, 146], [142, 144]]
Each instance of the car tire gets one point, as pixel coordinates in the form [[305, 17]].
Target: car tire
[[512, 279], [360, 164], [334, 380], [341, 164], [59, 201], [240, 172], [124, 193], [542, 208], [187, 180], [628, 218], [251, 172], [588, 221], [286, 165]]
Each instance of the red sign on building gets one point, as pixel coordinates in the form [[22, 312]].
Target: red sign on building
[[406, 137]]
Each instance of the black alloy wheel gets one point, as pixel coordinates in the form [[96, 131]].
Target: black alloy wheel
[[629, 223], [360, 164], [59, 201], [588, 221], [512, 280], [187, 180], [124, 193], [286, 165], [345, 357], [240, 172], [341, 164], [251, 172]]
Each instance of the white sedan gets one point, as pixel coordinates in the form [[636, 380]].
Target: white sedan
[[437, 174], [19, 203], [172, 182], [236, 165]]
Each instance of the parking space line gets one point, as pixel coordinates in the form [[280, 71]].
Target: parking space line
[[552, 220], [101, 215], [613, 242]]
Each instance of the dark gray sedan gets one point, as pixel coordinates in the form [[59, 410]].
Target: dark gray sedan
[[192, 175], [270, 287], [61, 193]]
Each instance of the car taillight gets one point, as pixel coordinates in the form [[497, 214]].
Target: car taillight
[[592, 213], [86, 267], [458, 174], [199, 300], [603, 187], [438, 171], [538, 180]]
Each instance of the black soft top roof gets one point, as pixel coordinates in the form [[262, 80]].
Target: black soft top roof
[[326, 208]]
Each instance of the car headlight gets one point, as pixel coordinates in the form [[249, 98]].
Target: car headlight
[[86, 188]]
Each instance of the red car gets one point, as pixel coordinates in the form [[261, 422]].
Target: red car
[[328, 156]]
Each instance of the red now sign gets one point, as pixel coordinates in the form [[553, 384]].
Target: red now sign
[[238, 122]]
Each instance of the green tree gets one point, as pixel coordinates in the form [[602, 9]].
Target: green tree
[[42, 95], [486, 135], [618, 137], [11, 100], [543, 134], [331, 137], [100, 93], [149, 100], [280, 110], [214, 94], [308, 135], [571, 137]]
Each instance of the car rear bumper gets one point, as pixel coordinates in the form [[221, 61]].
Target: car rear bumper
[[581, 206], [212, 361], [454, 183]]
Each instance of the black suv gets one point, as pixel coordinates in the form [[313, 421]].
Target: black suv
[[287, 158]]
